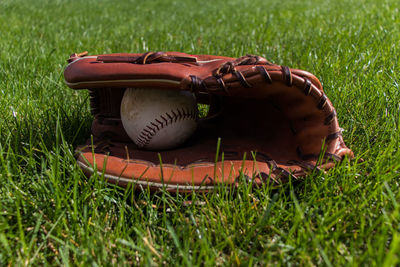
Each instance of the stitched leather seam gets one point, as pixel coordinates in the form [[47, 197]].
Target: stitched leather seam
[[307, 86], [168, 118], [229, 67], [198, 84]]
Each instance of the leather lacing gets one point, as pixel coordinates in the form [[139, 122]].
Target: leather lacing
[[94, 102], [199, 85], [280, 174]]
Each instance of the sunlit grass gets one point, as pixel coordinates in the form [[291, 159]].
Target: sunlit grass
[[51, 213]]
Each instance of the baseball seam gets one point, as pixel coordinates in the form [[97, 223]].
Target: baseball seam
[[151, 129]]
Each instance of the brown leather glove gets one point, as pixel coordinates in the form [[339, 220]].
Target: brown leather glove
[[273, 122]]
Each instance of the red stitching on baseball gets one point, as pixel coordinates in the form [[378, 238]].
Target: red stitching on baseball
[[150, 130], [155, 125]]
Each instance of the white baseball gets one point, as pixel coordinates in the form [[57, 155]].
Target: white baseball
[[158, 119]]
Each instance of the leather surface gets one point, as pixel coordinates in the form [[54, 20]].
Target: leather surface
[[271, 121]]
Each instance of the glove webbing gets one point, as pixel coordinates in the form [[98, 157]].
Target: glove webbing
[[199, 85]]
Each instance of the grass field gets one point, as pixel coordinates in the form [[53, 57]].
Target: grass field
[[50, 213]]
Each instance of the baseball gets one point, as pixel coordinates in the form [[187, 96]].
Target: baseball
[[158, 119]]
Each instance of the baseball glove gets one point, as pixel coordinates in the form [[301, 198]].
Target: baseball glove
[[265, 122]]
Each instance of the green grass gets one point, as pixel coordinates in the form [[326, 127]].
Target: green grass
[[50, 213]]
